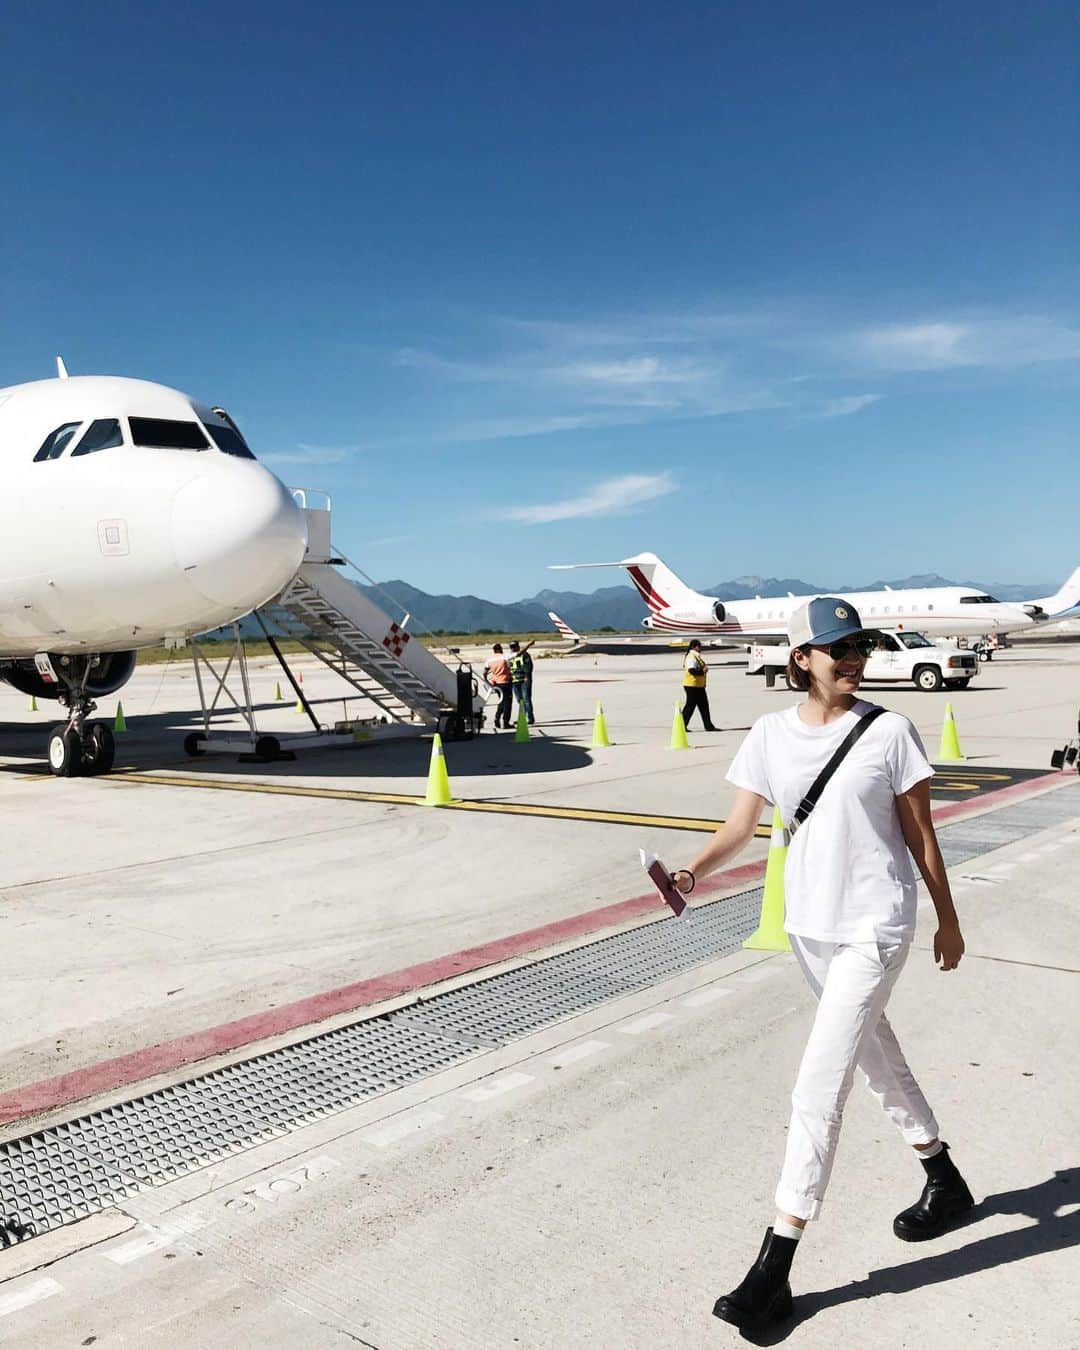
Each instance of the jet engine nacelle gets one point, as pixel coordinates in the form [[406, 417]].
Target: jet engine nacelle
[[109, 671], [704, 616]]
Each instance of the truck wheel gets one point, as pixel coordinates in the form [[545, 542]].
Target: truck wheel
[[958, 684], [928, 678]]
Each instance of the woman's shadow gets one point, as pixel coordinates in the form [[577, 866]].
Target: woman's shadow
[[1053, 1231]]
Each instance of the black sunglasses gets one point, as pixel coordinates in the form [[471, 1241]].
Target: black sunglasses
[[862, 646]]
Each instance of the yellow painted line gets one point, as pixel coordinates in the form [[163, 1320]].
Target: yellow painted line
[[584, 813]]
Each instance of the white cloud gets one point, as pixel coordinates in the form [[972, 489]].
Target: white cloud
[[309, 454], [607, 498], [1013, 341], [633, 373], [844, 407]]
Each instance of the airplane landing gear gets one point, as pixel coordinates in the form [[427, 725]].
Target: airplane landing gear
[[77, 747]]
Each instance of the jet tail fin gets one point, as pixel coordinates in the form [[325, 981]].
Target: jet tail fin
[[1063, 600], [564, 628]]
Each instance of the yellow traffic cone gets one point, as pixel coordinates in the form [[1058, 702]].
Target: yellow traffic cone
[[949, 750], [277, 693], [521, 732], [119, 722], [678, 732], [770, 935], [599, 728], [33, 703], [438, 781]]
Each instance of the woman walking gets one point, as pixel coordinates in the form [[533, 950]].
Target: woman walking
[[850, 897]]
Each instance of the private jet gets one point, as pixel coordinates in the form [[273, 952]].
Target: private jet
[[951, 611], [134, 516]]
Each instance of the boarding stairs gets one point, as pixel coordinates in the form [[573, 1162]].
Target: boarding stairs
[[376, 654]]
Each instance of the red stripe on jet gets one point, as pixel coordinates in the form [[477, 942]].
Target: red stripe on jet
[[645, 589]]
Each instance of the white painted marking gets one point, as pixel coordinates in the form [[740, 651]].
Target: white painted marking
[[576, 1052], [395, 1130], [157, 1236], [25, 1298], [497, 1086], [700, 998], [646, 1023]]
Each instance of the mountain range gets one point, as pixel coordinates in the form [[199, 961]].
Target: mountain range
[[616, 608], [620, 607]]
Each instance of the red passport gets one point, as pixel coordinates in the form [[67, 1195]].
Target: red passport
[[661, 879]]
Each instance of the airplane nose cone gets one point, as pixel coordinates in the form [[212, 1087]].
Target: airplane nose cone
[[238, 535]]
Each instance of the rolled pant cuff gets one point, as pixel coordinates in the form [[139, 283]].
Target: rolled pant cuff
[[798, 1206], [922, 1134]]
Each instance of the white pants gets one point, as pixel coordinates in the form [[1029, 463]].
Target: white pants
[[852, 983]]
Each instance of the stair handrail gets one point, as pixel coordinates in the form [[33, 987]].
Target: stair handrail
[[375, 586]]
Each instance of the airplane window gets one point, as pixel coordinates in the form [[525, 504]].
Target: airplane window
[[56, 442], [159, 433], [104, 434], [978, 600], [229, 440]]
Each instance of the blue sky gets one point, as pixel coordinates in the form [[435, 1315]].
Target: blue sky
[[768, 289]]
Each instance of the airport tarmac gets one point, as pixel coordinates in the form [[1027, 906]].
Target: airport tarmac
[[596, 1182]]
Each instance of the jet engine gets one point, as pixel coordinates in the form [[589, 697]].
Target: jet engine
[[704, 617], [109, 671]]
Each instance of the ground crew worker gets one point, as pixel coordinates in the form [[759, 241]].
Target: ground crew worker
[[521, 673], [497, 674], [850, 898], [695, 673]]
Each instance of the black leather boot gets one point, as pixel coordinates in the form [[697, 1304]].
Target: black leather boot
[[764, 1295], [945, 1196]]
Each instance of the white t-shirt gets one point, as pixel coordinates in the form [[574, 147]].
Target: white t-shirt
[[848, 876]]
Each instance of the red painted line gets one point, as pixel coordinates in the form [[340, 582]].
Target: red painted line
[[999, 797], [141, 1065]]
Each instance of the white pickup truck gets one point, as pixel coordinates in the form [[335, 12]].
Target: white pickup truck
[[899, 657]]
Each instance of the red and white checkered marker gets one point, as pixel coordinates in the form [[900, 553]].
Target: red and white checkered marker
[[396, 639]]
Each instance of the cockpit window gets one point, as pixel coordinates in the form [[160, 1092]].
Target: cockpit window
[[159, 433], [104, 434], [56, 442], [229, 440]]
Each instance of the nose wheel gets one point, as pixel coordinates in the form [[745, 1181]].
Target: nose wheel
[[78, 747], [74, 753]]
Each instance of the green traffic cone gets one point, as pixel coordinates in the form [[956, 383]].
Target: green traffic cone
[[599, 728], [678, 732], [770, 935]]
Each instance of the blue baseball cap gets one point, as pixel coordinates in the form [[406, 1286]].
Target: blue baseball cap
[[826, 619]]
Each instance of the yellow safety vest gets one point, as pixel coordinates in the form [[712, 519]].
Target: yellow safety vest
[[692, 681]]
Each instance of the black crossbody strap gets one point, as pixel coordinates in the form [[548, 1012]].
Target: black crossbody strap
[[818, 786]]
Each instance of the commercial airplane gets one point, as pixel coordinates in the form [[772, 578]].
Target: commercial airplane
[[132, 515], [938, 611]]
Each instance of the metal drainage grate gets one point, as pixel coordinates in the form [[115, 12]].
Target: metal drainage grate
[[78, 1168]]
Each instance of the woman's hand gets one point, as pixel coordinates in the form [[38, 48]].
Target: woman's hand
[[684, 881], [948, 946]]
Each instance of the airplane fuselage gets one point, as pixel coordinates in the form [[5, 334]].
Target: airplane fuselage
[[112, 537], [938, 612]]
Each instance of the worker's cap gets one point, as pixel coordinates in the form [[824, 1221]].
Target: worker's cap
[[515, 646], [825, 619]]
